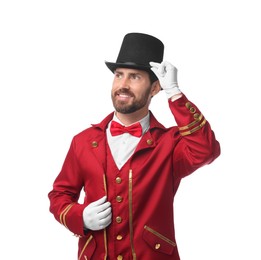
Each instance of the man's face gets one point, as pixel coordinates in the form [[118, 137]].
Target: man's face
[[131, 90]]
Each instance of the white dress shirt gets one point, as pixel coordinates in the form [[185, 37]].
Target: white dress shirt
[[123, 146]]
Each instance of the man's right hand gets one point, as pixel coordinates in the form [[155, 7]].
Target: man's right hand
[[97, 215]]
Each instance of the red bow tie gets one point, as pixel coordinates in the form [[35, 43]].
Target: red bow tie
[[118, 129]]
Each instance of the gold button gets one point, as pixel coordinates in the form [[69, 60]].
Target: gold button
[[188, 105], [119, 257], [119, 237], [94, 144], [118, 219], [149, 141], [192, 110], [196, 116], [118, 180], [157, 246], [119, 198]]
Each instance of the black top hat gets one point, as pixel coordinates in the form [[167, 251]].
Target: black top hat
[[137, 50]]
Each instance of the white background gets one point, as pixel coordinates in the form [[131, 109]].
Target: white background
[[54, 84]]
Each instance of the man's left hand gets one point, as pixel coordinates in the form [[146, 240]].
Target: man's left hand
[[167, 75]]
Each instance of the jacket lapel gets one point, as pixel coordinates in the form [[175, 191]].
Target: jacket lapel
[[150, 138], [98, 141]]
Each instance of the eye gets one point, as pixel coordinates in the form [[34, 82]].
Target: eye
[[117, 75], [135, 76]]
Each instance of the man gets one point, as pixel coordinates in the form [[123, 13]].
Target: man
[[129, 165]]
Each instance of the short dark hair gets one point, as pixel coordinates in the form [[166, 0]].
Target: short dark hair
[[152, 76]]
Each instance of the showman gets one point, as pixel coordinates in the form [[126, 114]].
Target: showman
[[129, 165]]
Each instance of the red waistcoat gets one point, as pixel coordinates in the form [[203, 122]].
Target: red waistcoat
[[141, 193]]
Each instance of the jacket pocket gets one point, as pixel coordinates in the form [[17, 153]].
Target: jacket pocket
[[87, 247], [157, 241]]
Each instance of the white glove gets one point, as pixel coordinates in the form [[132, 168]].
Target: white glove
[[97, 215], [167, 75]]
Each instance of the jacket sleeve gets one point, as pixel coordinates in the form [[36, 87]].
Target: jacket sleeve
[[65, 194], [197, 144]]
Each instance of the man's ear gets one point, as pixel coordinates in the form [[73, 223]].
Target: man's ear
[[155, 88]]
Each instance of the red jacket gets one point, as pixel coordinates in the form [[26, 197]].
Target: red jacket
[[145, 186]]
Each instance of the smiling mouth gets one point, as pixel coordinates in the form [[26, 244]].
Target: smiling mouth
[[123, 95]]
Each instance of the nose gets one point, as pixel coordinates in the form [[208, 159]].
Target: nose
[[124, 82]]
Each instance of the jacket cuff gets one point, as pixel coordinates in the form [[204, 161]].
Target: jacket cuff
[[71, 218]]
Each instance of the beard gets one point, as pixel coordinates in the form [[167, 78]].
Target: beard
[[128, 108]]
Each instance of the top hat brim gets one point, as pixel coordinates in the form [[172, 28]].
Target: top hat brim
[[113, 66], [131, 65]]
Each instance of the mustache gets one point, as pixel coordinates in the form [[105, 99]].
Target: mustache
[[124, 91]]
